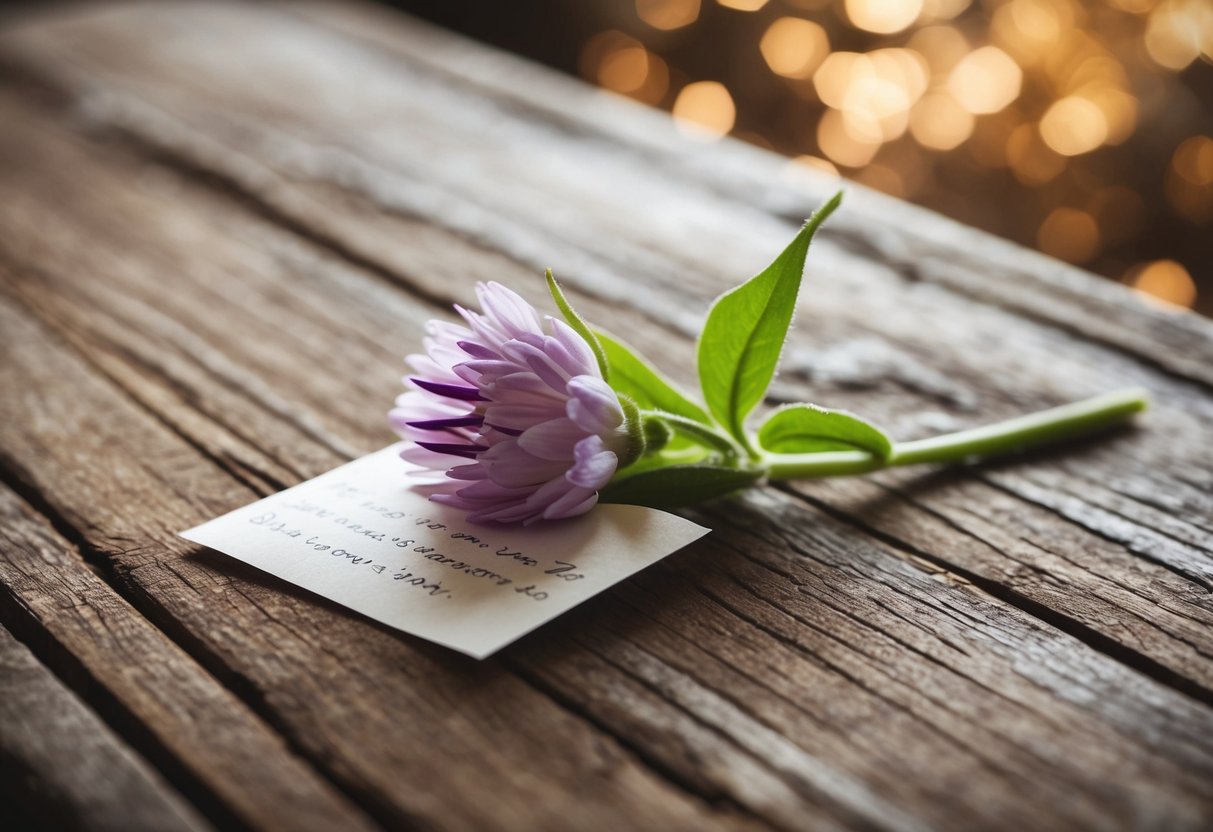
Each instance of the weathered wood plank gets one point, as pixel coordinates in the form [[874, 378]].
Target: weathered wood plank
[[186, 719], [62, 768], [410, 729], [1015, 692], [886, 332]]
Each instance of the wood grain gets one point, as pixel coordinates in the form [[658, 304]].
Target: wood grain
[[182, 717], [875, 332], [205, 287], [62, 768]]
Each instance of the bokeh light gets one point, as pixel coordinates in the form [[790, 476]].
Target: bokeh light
[[816, 163], [1175, 32], [794, 47], [1189, 183], [986, 80], [1030, 30], [624, 70], [935, 10], [883, 17], [943, 46], [668, 14], [1074, 125], [938, 122], [1134, 6], [1024, 117], [622, 64], [1165, 280], [704, 109], [840, 145], [1032, 161], [1069, 234]]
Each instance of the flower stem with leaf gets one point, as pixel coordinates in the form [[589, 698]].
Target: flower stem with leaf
[[705, 450], [1020, 434]]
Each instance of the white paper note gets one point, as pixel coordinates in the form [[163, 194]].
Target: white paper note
[[361, 535]]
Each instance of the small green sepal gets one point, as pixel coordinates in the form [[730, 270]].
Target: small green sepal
[[633, 425]]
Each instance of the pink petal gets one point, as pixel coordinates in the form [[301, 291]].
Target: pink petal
[[431, 462], [520, 416], [526, 387], [581, 359], [593, 405], [426, 367], [594, 465], [508, 309], [473, 471], [486, 490], [535, 358], [452, 500], [574, 502], [553, 439], [559, 493], [509, 465]]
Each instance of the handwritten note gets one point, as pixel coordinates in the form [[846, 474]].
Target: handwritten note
[[363, 536]]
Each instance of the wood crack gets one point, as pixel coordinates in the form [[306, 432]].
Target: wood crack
[[859, 683], [1104, 534], [1136, 521], [797, 780], [1057, 619], [67, 667], [59, 659], [1195, 647], [239, 473], [902, 643], [717, 798], [912, 272], [1158, 505], [19, 481]]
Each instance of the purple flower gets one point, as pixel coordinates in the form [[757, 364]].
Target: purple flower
[[514, 411]]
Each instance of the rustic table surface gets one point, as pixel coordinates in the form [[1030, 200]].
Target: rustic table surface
[[220, 229]]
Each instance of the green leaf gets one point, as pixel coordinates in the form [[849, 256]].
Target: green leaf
[[632, 376], [578, 324], [745, 330], [807, 428], [682, 485]]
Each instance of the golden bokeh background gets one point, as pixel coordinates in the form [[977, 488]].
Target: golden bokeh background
[[1083, 128]]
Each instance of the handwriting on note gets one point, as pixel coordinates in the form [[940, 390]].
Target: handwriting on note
[[363, 536]]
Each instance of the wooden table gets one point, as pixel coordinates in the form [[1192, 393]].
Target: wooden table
[[221, 227]]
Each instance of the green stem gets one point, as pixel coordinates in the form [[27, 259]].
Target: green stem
[[1045, 427], [706, 435]]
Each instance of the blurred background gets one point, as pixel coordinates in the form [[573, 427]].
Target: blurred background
[[1082, 128]]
